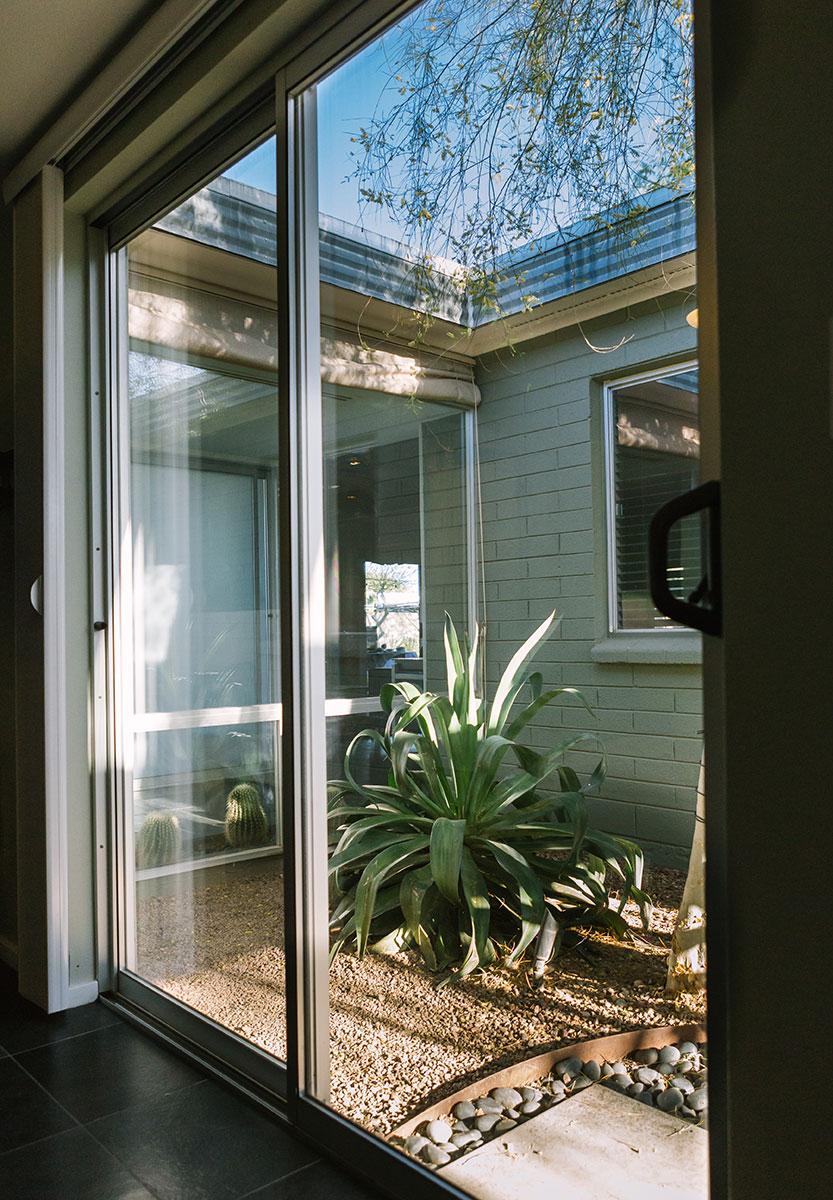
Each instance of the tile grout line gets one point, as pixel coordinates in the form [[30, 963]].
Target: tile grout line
[[59, 1041], [112, 1154], [279, 1179], [75, 1122]]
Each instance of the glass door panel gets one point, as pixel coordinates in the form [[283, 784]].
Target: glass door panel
[[202, 750], [479, 317]]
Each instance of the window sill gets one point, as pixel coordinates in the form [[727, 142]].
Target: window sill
[[659, 647]]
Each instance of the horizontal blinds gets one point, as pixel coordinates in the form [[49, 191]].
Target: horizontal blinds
[[645, 481]]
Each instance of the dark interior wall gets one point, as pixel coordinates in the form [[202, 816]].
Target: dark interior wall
[[8, 841], [769, 831]]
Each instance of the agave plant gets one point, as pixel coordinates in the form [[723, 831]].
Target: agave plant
[[459, 854]]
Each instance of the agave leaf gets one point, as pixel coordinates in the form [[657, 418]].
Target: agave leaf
[[343, 908], [455, 668], [577, 890], [572, 803], [489, 754], [366, 845], [400, 751], [477, 902], [381, 821], [645, 905], [445, 927], [446, 847], [391, 691], [397, 939], [412, 891], [512, 681], [441, 787], [347, 931], [429, 919], [474, 703], [530, 893], [616, 922], [512, 788], [523, 718], [568, 779], [367, 791], [394, 858]]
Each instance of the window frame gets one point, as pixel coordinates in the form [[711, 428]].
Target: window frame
[[645, 374]]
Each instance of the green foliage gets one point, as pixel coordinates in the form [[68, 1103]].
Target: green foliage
[[245, 818], [459, 853], [504, 121], [159, 842]]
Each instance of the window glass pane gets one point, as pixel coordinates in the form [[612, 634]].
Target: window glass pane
[[395, 537], [201, 813], [656, 456]]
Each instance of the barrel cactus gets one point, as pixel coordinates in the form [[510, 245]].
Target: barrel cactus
[[159, 842], [245, 818]]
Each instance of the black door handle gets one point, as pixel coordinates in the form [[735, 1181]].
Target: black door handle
[[704, 609]]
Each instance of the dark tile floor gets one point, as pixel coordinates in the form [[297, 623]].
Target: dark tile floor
[[92, 1109]]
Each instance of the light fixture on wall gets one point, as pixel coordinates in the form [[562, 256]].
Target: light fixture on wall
[[693, 318]]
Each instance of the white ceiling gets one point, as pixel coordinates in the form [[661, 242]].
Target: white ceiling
[[49, 51]]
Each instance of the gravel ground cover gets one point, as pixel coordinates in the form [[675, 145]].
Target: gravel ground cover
[[398, 1045]]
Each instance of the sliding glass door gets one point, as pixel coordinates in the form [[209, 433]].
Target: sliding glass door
[[201, 728], [343, 437]]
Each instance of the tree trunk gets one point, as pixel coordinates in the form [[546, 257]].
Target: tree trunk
[[687, 960]]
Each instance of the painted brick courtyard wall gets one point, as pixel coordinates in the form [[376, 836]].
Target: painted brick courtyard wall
[[543, 502]]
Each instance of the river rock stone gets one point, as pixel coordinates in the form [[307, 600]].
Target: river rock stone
[[415, 1143], [464, 1110], [487, 1122], [435, 1155], [529, 1107], [698, 1099], [580, 1082], [646, 1075], [636, 1088], [683, 1084], [622, 1080], [646, 1057], [507, 1097], [592, 1070], [669, 1054], [670, 1100], [688, 1049], [504, 1126], [465, 1139], [438, 1131], [530, 1094], [568, 1066], [487, 1104], [615, 1068]]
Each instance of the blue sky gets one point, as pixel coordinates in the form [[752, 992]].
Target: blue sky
[[345, 102]]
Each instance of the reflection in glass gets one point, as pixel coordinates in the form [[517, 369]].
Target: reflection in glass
[[202, 812], [656, 456]]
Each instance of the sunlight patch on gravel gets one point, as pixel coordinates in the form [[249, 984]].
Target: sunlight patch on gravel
[[397, 1043]]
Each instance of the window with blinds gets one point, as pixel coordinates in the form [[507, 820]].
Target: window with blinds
[[654, 456]]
